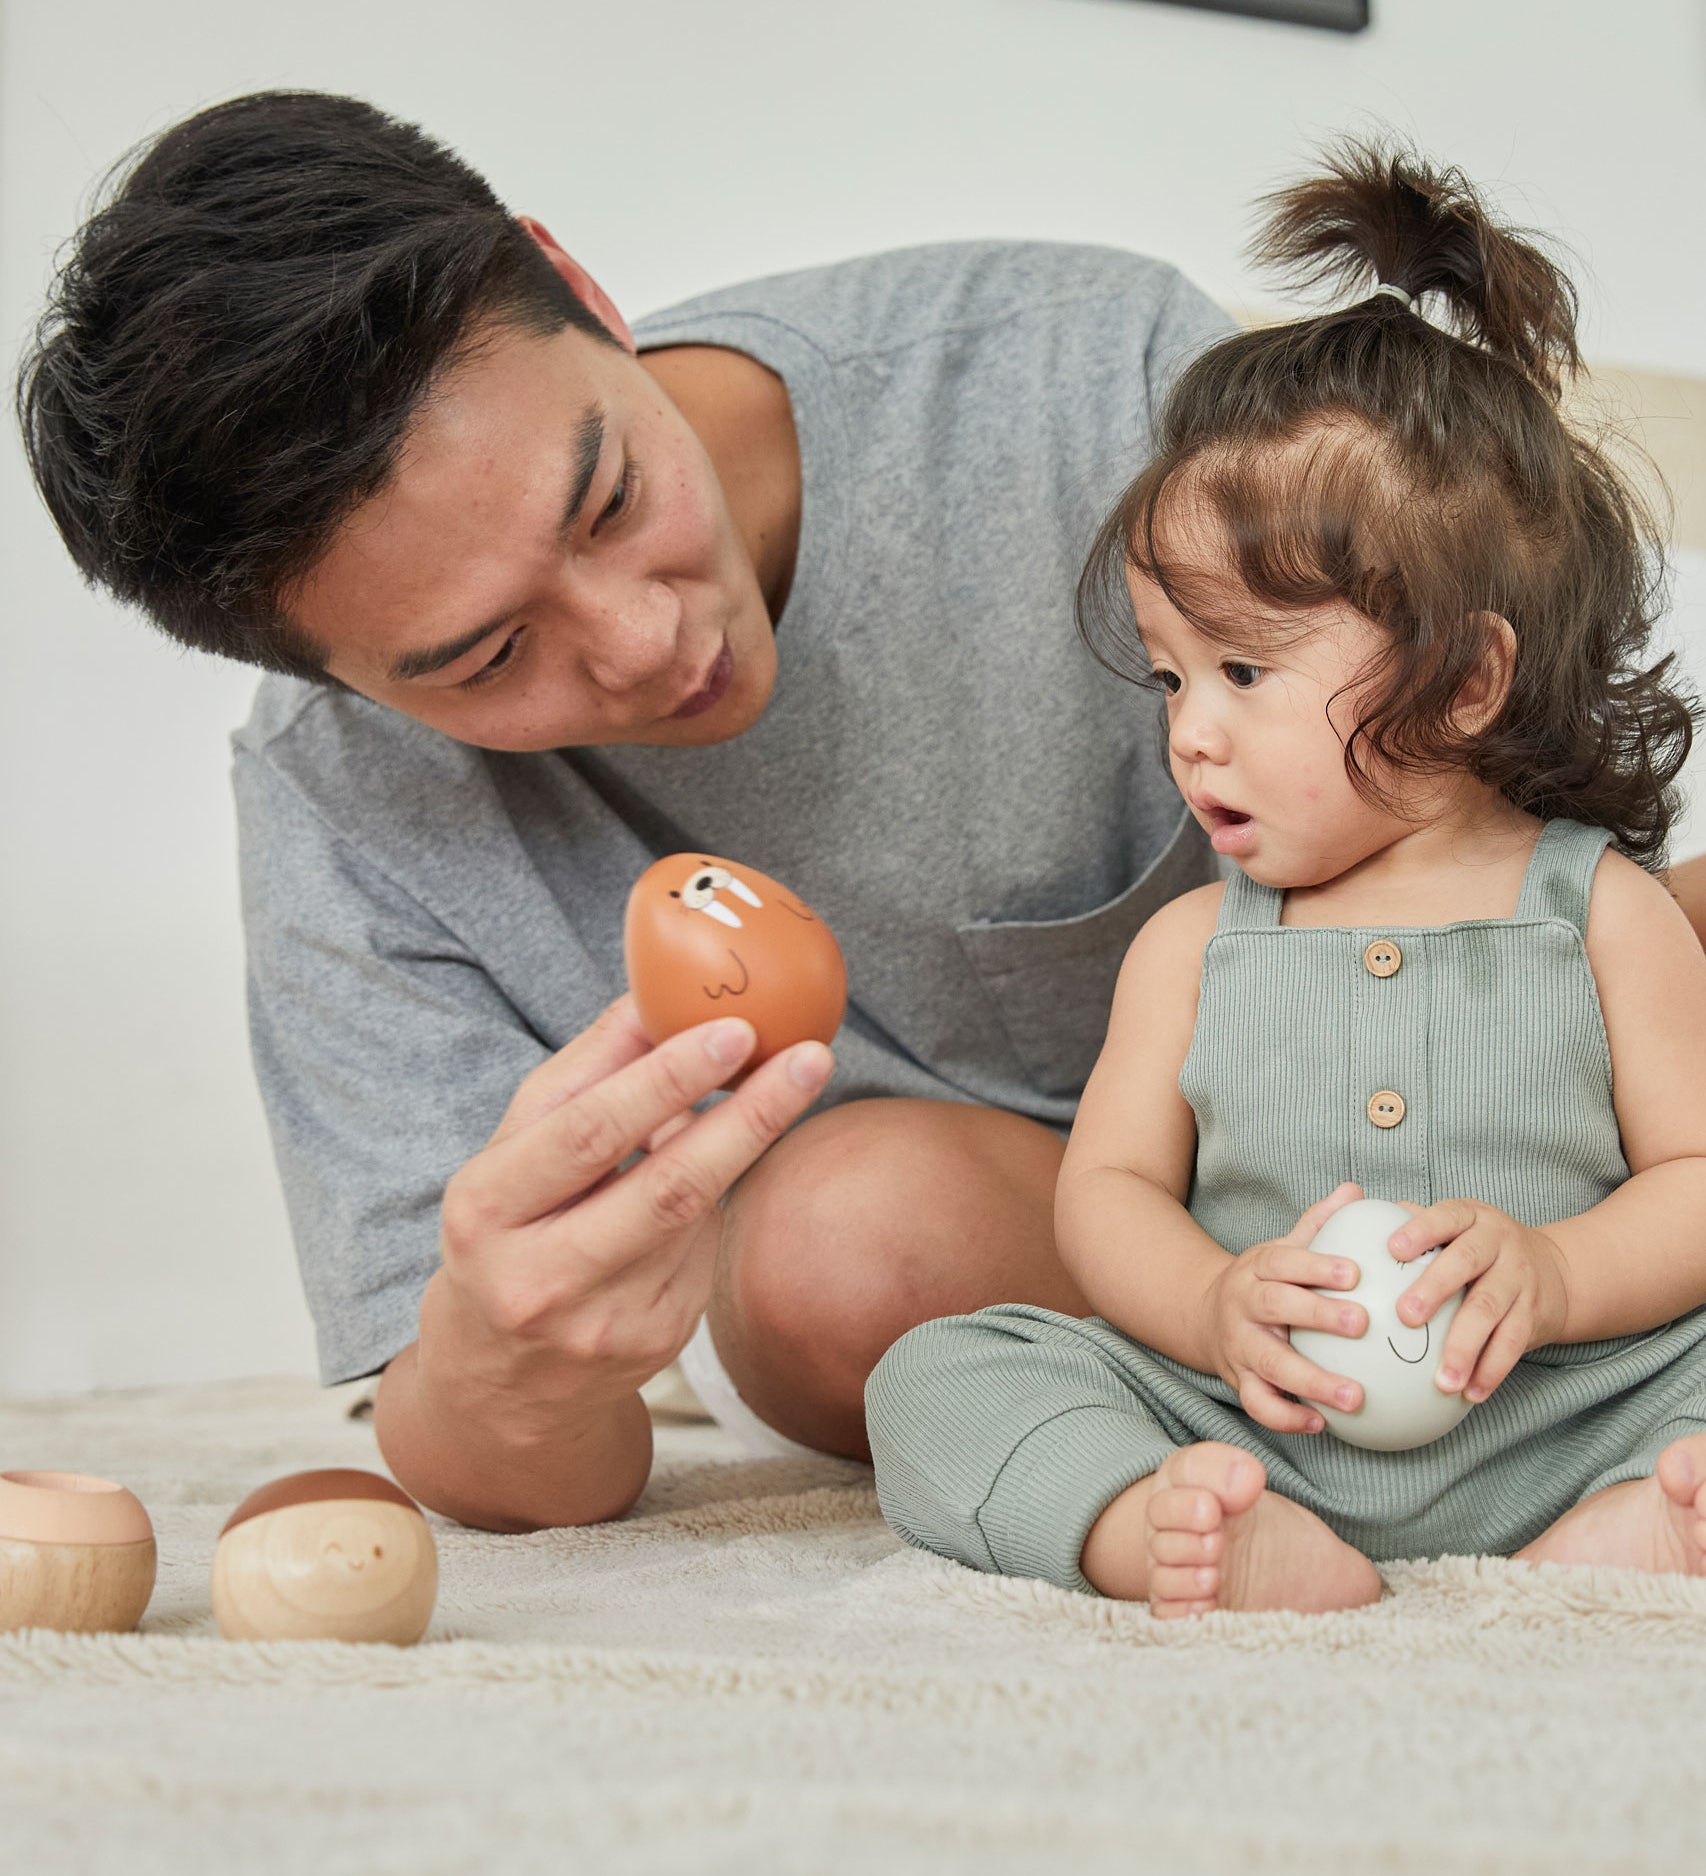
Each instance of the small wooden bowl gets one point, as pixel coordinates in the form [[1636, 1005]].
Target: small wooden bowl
[[76, 1553], [338, 1555]]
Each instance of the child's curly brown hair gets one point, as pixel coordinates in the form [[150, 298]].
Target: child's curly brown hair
[[1426, 477]]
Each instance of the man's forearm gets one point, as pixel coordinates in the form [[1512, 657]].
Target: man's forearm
[[465, 1458]]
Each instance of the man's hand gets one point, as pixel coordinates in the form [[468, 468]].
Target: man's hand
[[569, 1277], [1516, 1289], [583, 1278], [1261, 1296]]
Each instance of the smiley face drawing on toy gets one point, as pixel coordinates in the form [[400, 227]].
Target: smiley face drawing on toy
[[1392, 1361], [707, 937]]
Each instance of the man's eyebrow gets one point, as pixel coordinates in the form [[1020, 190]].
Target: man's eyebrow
[[589, 447]]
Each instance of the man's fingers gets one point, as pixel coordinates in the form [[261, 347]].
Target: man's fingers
[[672, 1189], [613, 1040], [538, 1168]]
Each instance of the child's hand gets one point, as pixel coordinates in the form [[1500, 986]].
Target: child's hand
[[1516, 1295], [1260, 1297]]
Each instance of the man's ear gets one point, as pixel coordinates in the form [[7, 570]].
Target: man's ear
[[585, 289], [1482, 694]]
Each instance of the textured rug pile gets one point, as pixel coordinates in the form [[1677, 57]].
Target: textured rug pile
[[750, 1674]]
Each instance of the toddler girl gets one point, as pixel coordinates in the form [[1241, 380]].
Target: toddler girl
[[1398, 611]]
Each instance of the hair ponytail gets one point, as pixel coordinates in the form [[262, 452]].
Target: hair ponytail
[[1418, 470], [1382, 213]]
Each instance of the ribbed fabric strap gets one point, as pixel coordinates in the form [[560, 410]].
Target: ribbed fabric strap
[[1562, 887], [1558, 883], [1247, 906]]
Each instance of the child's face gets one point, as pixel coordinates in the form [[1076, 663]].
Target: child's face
[[1256, 738]]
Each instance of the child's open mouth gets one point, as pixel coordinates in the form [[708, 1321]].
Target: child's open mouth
[[1229, 830]]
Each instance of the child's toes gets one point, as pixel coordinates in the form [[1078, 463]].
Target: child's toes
[[1177, 1591], [1682, 1472], [1235, 1477], [1186, 1548]]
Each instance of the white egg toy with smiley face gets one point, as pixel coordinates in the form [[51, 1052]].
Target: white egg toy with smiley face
[[1394, 1362]]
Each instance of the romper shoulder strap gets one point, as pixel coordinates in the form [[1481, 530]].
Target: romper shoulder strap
[[1559, 880], [1246, 905]]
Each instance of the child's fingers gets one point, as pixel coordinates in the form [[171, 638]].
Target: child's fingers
[[1268, 1407], [1291, 1306], [1429, 1226], [1460, 1263], [1506, 1347], [1288, 1263], [1500, 1353], [1479, 1315], [1271, 1358], [1323, 1209]]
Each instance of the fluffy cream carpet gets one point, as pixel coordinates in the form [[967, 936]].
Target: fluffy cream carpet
[[749, 1674]]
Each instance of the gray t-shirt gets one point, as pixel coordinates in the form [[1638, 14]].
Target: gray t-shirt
[[980, 812]]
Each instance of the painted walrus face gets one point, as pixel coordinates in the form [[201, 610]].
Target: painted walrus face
[[707, 937]]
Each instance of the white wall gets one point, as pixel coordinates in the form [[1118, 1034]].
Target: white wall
[[674, 144]]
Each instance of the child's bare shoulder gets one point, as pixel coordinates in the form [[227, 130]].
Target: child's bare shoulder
[[1634, 922], [1173, 936]]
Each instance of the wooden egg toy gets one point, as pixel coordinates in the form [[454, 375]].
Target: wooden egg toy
[[76, 1553], [339, 1555], [706, 937], [1394, 1361]]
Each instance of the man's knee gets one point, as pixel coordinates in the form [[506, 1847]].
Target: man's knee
[[871, 1218]]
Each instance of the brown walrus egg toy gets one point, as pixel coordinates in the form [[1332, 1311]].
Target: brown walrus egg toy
[[339, 1555], [76, 1553], [706, 937]]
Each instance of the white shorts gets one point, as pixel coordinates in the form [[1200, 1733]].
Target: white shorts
[[709, 1379]]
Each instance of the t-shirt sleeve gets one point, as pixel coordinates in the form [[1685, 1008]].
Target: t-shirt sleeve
[[1188, 323], [386, 1055]]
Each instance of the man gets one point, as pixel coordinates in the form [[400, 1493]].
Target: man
[[784, 575]]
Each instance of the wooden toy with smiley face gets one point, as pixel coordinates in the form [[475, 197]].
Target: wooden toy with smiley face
[[707, 937], [334, 1555]]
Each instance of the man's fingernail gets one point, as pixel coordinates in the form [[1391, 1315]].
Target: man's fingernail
[[809, 1067], [728, 1042]]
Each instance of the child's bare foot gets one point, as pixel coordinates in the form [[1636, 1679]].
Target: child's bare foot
[[1656, 1524], [1202, 1533]]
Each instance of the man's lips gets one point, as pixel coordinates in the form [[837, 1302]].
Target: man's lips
[[715, 682]]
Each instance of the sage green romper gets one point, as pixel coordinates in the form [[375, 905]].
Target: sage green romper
[[999, 1437]]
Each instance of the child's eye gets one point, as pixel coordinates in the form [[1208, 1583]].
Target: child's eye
[[1231, 669]]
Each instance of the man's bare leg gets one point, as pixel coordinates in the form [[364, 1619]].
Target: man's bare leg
[[859, 1224], [1656, 1524]]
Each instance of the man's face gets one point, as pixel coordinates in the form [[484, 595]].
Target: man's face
[[553, 563]]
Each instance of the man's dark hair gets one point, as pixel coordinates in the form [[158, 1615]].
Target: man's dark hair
[[236, 341]]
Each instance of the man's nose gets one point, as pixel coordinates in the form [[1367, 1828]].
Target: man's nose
[[632, 636]]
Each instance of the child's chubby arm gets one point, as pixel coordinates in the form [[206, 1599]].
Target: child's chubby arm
[[1637, 1259], [1121, 1224]]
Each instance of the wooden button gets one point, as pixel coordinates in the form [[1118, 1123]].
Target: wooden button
[[1386, 1109], [1383, 957]]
